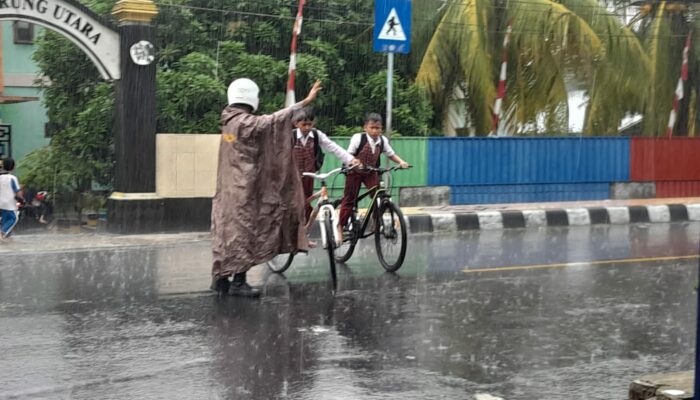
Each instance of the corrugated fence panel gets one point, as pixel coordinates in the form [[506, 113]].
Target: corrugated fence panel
[[413, 150], [527, 193], [678, 189], [663, 159], [473, 161]]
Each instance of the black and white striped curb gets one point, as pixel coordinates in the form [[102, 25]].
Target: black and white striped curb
[[452, 222]]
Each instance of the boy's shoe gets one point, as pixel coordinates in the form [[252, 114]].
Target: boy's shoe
[[242, 289], [220, 284], [312, 244], [339, 234]]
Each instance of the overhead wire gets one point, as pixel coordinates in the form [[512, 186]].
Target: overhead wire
[[442, 24]]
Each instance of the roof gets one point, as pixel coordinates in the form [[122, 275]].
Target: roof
[[16, 99]]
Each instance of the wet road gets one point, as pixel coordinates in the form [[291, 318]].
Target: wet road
[[519, 314]]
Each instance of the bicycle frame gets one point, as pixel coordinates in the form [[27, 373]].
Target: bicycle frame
[[324, 207], [378, 194]]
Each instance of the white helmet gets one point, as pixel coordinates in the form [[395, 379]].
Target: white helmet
[[243, 91]]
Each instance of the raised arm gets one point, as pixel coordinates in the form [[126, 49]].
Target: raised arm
[[332, 147]]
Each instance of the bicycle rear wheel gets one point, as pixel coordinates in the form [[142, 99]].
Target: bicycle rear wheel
[[330, 247], [346, 248], [390, 237], [281, 262]]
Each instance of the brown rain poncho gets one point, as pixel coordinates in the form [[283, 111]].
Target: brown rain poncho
[[258, 208]]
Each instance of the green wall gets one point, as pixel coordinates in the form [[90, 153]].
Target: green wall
[[29, 118], [412, 150], [17, 58]]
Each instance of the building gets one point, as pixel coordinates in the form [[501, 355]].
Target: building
[[23, 118]]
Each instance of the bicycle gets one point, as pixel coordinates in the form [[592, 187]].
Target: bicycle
[[328, 221], [383, 219]]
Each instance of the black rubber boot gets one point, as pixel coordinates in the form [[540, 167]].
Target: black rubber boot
[[220, 284], [239, 287]]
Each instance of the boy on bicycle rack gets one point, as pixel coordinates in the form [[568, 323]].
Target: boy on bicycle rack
[[308, 145], [367, 147]]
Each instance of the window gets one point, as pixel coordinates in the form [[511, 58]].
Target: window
[[24, 32]]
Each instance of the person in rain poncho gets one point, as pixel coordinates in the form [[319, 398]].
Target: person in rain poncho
[[258, 209]]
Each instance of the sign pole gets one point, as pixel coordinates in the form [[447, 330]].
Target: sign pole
[[392, 34], [389, 91]]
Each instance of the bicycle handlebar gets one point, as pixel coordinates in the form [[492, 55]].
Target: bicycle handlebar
[[345, 170], [321, 177], [383, 170]]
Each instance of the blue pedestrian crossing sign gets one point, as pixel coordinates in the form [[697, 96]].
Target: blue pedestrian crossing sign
[[392, 26]]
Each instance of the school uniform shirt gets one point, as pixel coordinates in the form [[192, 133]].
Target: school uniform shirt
[[372, 143], [9, 186], [326, 144]]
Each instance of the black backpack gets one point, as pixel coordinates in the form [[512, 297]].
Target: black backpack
[[363, 142], [320, 155]]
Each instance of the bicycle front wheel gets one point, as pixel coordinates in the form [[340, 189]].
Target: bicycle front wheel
[[281, 262], [347, 247], [390, 237], [330, 247]]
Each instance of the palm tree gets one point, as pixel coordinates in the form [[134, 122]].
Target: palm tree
[[556, 46], [663, 27]]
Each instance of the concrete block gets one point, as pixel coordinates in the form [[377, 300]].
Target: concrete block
[[659, 213], [693, 212], [444, 222], [619, 215], [490, 220], [534, 218], [632, 190], [424, 196], [578, 216]]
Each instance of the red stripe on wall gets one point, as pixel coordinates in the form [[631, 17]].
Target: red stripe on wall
[[665, 159], [678, 189]]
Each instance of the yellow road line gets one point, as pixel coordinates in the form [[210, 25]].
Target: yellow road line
[[576, 264]]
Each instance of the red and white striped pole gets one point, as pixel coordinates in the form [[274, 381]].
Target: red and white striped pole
[[296, 31], [678, 96], [500, 96]]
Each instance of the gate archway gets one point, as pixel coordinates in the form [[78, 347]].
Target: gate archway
[[96, 37]]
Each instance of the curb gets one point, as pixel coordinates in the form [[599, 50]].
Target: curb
[[436, 222]]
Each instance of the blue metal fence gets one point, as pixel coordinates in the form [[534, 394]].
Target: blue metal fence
[[490, 161], [528, 193]]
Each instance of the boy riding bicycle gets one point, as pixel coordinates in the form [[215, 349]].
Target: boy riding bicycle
[[367, 147], [308, 145]]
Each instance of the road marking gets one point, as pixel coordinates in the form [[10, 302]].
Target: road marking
[[576, 264]]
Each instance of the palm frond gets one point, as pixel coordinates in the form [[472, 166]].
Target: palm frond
[[548, 40], [460, 51], [664, 45], [617, 87]]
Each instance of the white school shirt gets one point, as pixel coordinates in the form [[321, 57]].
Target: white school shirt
[[326, 144], [355, 143], [9, 186]]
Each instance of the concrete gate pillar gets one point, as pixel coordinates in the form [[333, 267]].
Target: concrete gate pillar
[[134, 206]]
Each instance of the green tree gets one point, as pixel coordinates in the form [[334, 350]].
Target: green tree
[[202, 46], [663, 27], [554, 44]]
